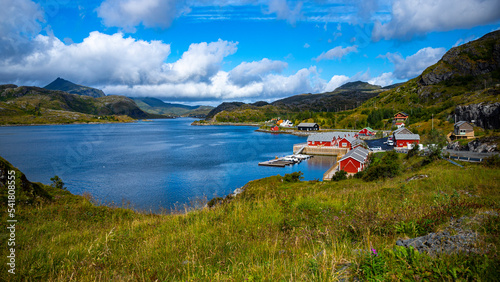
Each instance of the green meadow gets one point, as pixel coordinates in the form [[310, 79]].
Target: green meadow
[[278, 229]]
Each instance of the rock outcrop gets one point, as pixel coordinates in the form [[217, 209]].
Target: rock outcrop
[[485, 115], [476, 58]]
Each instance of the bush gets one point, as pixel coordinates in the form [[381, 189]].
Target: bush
[[293, 177], [389, 166], [492, 161], [57, 183], [340, 175]]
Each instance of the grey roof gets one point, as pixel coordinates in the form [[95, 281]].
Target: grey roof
[[397, 131], [360, 154], [407, 137], [307, 124], [326, 136], [459, 123]]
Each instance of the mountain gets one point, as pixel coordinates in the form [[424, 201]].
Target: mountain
[[347, 96], [70, 87], [463, 85], [157, 106], [358, 85], [32, 105]]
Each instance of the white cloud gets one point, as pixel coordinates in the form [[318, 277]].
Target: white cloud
[[383, 80], [413, 18], [128, 14], [464, 40], [200, 62], [412, 66], [20, 21], [336, 53], [307, 45], [99, 58], [246, 73], [283, 12], [335, 82]]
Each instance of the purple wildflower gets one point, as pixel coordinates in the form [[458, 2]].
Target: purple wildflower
[[374, 252]]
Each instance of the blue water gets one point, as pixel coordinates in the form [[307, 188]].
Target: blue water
[[151, 165]]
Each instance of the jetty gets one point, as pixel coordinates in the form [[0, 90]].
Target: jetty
[[287, 160]]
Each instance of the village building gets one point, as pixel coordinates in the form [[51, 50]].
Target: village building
[[275, 128], [333, 139], [354, 161], [400, 119], [367, 131], [308, 126], [403, 137], [462, 130]]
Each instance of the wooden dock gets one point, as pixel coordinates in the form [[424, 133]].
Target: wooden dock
[[276, 162]]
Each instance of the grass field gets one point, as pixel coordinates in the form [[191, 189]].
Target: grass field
[[277, 230]]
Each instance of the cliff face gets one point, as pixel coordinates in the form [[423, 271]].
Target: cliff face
[[473, 59], [485, 115]]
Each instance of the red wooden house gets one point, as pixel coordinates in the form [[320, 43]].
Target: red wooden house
[[335, 139], [354, 161], [275, 128], [403, 140], [366, 132], [400, 119]]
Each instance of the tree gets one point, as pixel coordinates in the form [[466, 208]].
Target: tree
[[57, 183]]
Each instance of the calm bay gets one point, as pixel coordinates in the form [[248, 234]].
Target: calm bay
[[155, 165]]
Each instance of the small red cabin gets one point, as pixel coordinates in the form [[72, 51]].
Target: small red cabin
[[275, 128], [354, 161], [403, 140], [366, 132]]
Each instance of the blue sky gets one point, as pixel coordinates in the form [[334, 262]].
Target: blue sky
[[206, 52]]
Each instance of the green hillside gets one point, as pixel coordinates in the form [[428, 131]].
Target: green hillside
[[157, 106], [467, 75], [34, 105], [70, 87]]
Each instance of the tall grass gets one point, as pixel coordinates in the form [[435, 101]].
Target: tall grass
[[275, 230]]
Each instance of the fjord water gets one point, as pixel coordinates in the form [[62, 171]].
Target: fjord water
[[151, 165]]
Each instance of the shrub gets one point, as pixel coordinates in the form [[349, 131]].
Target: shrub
[[492, 161], [57, 183], [389, 166], [293, 177], [340, 175]]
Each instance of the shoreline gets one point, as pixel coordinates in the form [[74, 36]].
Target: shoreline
[[41, 124]]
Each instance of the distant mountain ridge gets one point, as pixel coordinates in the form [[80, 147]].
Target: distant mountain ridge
[[72, 88], [157, 106], [347, 96], [29, 104]]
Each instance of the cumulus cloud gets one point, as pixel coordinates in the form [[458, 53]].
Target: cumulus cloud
[[413, 18], [284, 12], [412, 66], [336, 53], [201, 61], [335, 82], [382, 80], [128, 14], [246, 73], [98, 59], [20, 21]]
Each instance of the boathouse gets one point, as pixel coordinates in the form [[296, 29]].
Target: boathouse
[[354, 161], [306, 126], [366, 132], [332, 139]]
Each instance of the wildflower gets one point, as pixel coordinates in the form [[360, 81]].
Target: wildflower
[[374, 252]]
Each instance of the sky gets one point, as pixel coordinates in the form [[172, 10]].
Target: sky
[[210, 51]]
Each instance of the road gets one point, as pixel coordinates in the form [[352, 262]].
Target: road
[[379, 143]]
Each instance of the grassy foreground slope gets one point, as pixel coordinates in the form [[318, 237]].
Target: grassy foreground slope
[[276, 230]]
